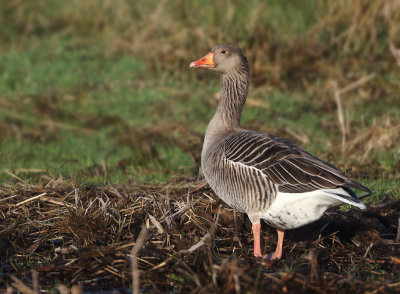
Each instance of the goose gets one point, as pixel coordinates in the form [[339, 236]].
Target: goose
[[267, 177]]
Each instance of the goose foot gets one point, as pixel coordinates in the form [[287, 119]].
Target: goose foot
[[278, 252], [272, 256]]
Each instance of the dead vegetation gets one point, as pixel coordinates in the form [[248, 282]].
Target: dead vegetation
[[89, 236], [381, 135], [166, 33]]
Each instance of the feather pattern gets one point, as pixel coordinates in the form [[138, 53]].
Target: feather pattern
[[286, 165]]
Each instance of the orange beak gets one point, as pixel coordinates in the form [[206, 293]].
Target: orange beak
[[204, 62]]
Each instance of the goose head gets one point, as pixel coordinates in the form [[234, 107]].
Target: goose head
[[223, 58]]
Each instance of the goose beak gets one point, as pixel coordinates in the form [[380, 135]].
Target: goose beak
[[204, 62]]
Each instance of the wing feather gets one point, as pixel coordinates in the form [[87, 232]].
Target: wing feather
[[285, 164]]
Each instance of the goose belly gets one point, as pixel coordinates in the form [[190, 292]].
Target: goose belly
[[293, 210]]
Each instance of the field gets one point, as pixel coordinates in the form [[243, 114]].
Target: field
[[101, 128]]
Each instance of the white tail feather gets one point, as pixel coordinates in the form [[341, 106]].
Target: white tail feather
[[341, 195]]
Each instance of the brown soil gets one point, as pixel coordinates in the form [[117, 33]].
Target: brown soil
[[84, 235]]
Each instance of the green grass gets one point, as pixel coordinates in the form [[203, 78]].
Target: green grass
[[75, 112], [98, 100]]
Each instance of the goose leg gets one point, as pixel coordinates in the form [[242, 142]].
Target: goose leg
[[256, 234], [278, 252]]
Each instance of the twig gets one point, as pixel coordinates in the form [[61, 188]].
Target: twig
[[272, 277], [27, 170], [76, 194], [206, 238], [368, 250], [14, 176], [214, 226], [237, 283], [20, 286], [35, 278], [113, 271], [252, 102], [155, 223], [393, 285], [76, 289], [63, 289], [181, 211], [312, 257], [236, 227], [196, 246], [395, 52], [342, 122], [163, 263], [198, 187], [31, 199], [356, 84], [66, 204], [193, 274], [134, 252], [303, 138], [8, 198]]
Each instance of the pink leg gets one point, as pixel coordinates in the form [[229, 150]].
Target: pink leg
[[256, 234], [278, 252]]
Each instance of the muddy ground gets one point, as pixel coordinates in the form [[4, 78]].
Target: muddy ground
[[82, 235]]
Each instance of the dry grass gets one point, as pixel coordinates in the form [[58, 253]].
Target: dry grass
[[366, 151], [284, 48], [380, 136], [72, 235]]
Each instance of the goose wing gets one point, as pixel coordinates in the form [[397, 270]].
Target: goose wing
[[287, 165]]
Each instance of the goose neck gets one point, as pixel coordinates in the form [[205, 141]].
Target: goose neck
[[234, 89]]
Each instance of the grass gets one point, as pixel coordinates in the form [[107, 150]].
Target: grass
[[73, 111], [88, 100]]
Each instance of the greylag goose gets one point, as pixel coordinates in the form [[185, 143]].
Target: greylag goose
[[263, 175]]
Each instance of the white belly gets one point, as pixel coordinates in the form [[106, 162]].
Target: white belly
[[293, 210]]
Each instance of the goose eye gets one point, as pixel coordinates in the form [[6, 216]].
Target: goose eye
[[223, 51]]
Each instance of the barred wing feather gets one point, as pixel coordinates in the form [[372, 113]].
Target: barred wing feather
[[285, 164]]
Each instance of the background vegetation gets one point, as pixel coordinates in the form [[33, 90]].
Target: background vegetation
[[100, 91]]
